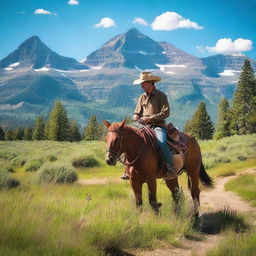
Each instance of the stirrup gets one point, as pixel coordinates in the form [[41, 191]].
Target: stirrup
[[125, 176]]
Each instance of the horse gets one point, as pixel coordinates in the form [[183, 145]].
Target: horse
[[143, 162]]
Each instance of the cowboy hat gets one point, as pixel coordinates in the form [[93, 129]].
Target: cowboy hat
[[146, 76]]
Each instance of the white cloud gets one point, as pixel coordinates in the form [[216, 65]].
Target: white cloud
[[42, 11], [172, 21], [73, 2], [227, 46], [140, 21], [105, 23]]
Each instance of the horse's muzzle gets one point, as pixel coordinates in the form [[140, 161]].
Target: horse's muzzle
[[110, 159]]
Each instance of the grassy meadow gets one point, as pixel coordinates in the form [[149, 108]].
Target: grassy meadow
[[73, 219]]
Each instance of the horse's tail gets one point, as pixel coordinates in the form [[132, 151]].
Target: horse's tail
[[204, 177]]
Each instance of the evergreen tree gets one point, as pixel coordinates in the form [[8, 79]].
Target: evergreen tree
[[224, 120], [74, 131], [38, 132], [2, 133], [9, 135], [28, 132], [243, 109], [58, 123], [200, 126], [92, 131], [46, 130], [18, 133]]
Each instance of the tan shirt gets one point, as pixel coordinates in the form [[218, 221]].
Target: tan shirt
[[155, 106]]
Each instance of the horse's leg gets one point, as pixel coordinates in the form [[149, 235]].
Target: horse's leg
[[174, 188], [152, 195], [136, 183], [137, 190], [193, 172]]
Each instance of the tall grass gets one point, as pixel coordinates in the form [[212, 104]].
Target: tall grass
[[244, 186], [236, 245], [64, 220]]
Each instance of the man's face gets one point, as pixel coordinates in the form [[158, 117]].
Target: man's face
[[147, 86]]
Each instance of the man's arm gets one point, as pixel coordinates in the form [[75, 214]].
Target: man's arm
[[138, 110]]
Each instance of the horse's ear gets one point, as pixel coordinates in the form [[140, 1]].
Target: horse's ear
[[106, 123], [122, 123]]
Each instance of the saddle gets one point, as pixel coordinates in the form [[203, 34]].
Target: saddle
[[177, 144]]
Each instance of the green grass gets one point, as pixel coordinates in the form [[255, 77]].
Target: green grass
[[49, 219], [236, 245], [229, 169], [244, 186], [75, 220]]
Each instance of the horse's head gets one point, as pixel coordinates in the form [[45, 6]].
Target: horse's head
[[114, 139]]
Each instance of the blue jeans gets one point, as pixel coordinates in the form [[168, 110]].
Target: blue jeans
[[162, 143]]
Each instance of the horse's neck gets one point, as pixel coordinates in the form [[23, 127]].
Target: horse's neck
[[134, 143]]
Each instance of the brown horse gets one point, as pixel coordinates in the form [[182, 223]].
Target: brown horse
[[143, 162]]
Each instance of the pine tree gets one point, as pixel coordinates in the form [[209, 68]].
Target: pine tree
[[38, 132], [243, 109], [46, 130], [92, 130], [28, 132], [74, 131], [18, 133], [9, 135], [224, 120], [58, 123], [2, 133], [200, 126]]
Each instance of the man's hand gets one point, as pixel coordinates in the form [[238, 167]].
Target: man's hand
[[136, 117], [145, 120]]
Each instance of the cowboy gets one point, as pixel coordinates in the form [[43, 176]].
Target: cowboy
[[152, 109]]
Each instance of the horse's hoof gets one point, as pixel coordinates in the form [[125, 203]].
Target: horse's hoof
[[158, 205]]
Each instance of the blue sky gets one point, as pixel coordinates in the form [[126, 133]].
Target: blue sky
[[75, 28]]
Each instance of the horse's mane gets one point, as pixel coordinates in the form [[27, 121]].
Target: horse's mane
[[129, 128]]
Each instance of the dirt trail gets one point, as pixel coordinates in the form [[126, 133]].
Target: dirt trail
[[211, 200]]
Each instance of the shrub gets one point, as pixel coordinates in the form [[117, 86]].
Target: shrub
[[18, 162], [33, 165], [241, 158], [223, 159], [56, 174], [222, 148], [52, 158], [7, 182], [84, 162], [7, 156], [6, 167]]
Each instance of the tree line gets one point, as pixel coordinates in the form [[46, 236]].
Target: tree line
[[57, 128], [237, 119]]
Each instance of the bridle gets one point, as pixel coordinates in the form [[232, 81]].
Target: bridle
[[117, 155]]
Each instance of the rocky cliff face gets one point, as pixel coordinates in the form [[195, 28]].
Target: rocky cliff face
[[179, 57], [219, 63], [33, 52], [131, 49]]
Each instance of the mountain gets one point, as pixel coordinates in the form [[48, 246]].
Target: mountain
[[33, 52], [179, 57], [33, 77], [219, 63], [131, 49]]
